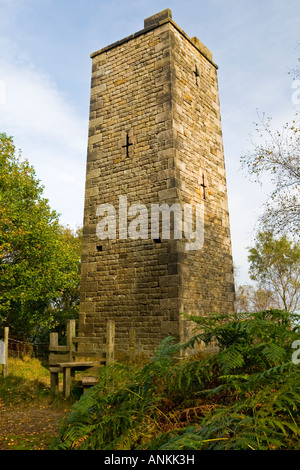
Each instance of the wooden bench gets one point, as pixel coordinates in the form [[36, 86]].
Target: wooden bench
[[80, 353], [88, 381]]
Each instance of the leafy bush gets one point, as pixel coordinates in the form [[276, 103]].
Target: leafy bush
[[246, 395]]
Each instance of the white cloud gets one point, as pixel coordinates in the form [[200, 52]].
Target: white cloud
[[35, 106], [50, 132]]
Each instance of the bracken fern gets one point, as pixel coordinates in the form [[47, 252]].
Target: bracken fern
[[244, 396]]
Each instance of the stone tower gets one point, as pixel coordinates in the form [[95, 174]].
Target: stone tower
[[154, 138]]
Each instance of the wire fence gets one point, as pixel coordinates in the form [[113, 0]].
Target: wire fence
[[17, 348]]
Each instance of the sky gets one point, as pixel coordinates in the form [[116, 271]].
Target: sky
[[45, 73]]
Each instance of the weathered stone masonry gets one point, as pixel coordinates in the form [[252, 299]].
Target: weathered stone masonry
[[154, 136]]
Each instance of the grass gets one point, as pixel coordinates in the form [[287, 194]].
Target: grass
[[31, 442], [28, 414], [26, 382]]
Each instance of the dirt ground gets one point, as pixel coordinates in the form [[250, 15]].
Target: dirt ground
[[31, 428]]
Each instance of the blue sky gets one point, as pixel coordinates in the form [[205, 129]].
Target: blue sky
[[45, 68]]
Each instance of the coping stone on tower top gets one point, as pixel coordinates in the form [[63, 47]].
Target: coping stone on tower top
[[155, 21]]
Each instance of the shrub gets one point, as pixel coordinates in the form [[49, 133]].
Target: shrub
[[244, 396]]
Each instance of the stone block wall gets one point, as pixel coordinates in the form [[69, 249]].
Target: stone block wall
[[207, 283], [154, 134]]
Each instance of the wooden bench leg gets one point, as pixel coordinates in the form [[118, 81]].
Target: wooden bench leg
[[87, 382], [69, 376], [67, 382], [54, 379], [54, 383]]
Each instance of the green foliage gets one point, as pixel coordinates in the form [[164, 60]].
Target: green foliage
[[275, 265], [121, 410], [265, 416], [38, 257], [246, 395]]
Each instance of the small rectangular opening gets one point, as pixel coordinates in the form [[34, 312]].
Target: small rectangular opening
[[157, 240], [99, 248]]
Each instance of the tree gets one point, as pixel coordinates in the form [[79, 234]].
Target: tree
[[37, 261], [275, 265], [278, 156], [66, 305], [251, 299]]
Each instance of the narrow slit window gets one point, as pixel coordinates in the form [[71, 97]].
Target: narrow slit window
[[197, 75], [127, 144], [203, 186]]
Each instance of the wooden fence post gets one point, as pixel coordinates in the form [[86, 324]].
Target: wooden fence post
[[6, 333], [53, 340], [5, 365], [54, 381], [71, 334], [110, 342]]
